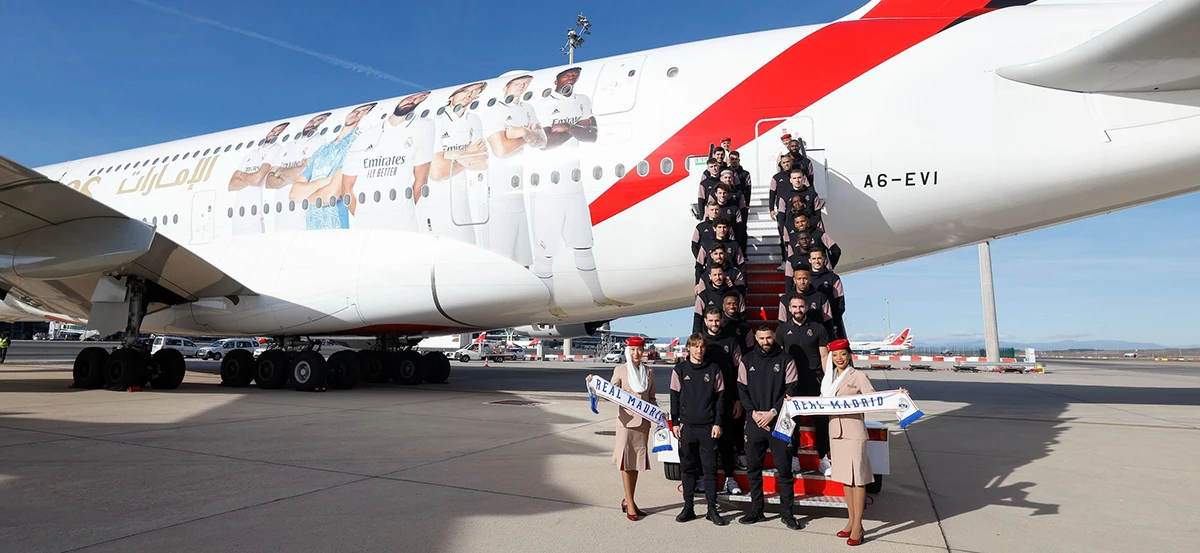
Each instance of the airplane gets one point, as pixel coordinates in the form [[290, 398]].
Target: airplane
[[1134, 353], [890, 344], [931, 125]]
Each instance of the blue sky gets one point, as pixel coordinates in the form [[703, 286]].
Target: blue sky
[[103, 76]]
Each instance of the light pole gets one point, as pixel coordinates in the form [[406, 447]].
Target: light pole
[[889, 315], [575, 37]]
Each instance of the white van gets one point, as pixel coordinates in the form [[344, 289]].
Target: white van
[[187, 347]]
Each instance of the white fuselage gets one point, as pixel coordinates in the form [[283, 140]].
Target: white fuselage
[[924, 151]]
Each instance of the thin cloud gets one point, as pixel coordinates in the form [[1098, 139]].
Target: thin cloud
[[333, 60]]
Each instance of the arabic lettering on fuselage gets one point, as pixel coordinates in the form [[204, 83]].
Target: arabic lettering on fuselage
[[155, 178]]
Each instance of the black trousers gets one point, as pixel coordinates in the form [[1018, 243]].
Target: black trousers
[[822, 434], [3, 354], [698, 453], [731, 442], [757, 442]]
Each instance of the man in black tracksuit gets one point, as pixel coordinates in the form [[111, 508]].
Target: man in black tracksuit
[[704, 229], [697, 393], [819, 310], [765, 376], [724, 350], [722, 234], [829, 283], [735, 320], [710, 292], [807, 343], [717, 258], [709, 182]]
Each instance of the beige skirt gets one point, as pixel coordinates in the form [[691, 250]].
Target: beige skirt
[[851, 466], [632, 450]]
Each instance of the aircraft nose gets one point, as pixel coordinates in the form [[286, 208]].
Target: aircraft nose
[[479, 288]]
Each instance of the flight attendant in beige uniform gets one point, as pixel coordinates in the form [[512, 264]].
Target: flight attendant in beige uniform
[[632, 451], [848, 437]]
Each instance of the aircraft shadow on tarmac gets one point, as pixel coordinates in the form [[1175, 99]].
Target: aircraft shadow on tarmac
[[968, 455], [170, 476]]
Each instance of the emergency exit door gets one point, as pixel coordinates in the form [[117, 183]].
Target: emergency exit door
[[617, 85], [203, 222]]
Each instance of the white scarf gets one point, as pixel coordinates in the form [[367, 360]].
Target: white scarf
[[599, 387], [892, 400], [829, 384], [639, 377]]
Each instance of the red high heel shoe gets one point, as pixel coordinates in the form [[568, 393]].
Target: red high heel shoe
[[637, 512], [843, 534], [852, 541]]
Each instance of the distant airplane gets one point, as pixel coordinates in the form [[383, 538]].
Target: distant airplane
[[1134, 354], [892, 343]]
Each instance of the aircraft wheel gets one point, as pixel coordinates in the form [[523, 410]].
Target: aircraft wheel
[[88, 371], [272, 369], [309, 371], [125, 368], [344, 370], [439, 368], [237, 370], [411, 367], [374, 366], [877, 485], [168, 368]]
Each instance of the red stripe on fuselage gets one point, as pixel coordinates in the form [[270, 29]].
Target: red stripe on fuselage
[[817, 65]]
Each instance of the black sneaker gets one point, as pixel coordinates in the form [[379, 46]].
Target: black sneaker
[[716, 517], [752, 517], [688, 513], [789, 521]]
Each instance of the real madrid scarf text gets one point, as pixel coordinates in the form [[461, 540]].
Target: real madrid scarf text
[[891, 400], [599, 387]]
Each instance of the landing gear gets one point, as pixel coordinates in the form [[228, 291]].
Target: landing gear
[[344, 370], [438, 371], [167, 368], [125, 368], [88, 371], [309, 371], [237, 370], [376, 366], [411, 367], [273, 369]]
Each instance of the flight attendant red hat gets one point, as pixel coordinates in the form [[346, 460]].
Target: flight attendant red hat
[[635, 341], [839, 344]]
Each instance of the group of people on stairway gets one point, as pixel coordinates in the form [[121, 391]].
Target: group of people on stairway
[[729, 389]]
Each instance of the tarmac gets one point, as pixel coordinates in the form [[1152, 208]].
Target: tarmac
[[1082, 458]]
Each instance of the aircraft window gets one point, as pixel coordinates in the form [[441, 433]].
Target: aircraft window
[[165, 219], [227, 148], [345, 199], [261, 141], [516, 181], [304, 204], [185, 155], [298, 133], [597, 173], [528, 95], [231, 213], [576, 175], [323, 130], [126, 166], [546, 93], [424, 114], [197, 154], [239, 147], [176, 158], [666, 165], [377, 196], [144, 220], [135, 165], [619, 170], [254, 209], [632, 72], [174, 219], [206, 151], [392, 194], [672, 72], [156, 161], [241, 212], [491, 102], [147, 162], [475, 104], [291, 205], [91, 172], [362, 197], [279, 207], [317, 204], [554, 177], [534, 179], [643, 168], [250, 144], [286, 137], [266, 208], [154, 221]]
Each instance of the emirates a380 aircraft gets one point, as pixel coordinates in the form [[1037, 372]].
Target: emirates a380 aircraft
[[525, 199]]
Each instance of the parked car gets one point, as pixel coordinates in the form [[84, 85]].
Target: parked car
[[221, 348], [41, 336], [187, 347], [614, 357]]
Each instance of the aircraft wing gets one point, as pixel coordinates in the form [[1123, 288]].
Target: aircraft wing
[[57, 243], [1156, 50]]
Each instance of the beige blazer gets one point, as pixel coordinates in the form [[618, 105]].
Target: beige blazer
[[620, 378], [851, 427]]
